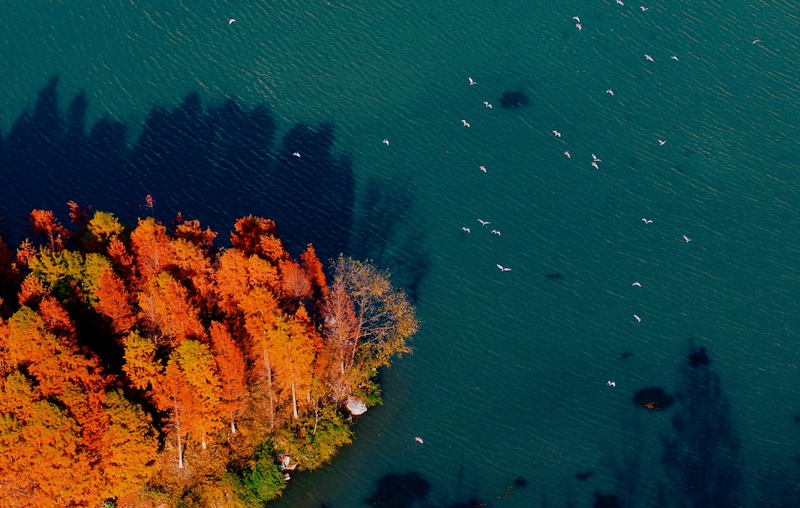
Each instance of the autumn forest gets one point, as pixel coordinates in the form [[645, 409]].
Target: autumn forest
[[147, 366]]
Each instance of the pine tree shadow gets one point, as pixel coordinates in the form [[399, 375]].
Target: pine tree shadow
[[703, 456], [411, 489], [399, 490], [387, 232], [212, 163], [322, 187]]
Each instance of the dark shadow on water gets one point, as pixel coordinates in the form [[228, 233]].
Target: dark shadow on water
[[514, 99], [606, 501], [411, 489], [387, 232], [321, 185], [703, 455], [212, 163], [399, 490]]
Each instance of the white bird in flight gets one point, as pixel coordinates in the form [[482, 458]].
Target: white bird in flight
[[576, 18], [483, 168], [496, 232], [638, 319], [649, 58], [385, 141], [611, 383], [418, 440], [231, 21], [674, 57], [471, 82], [558, 134], [484, 222], [687, 238], [296, 154], [636, 284], [610, 91], [487, 104], [595, 158], [567, 154], [578, 26], [595, 165], [503, 268], [466, 230], [647, 221], [466, 124], [620, 2], [643, 8], [661, 142], [757, 40]]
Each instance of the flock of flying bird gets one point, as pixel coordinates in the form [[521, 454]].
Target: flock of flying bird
[[595, 161]]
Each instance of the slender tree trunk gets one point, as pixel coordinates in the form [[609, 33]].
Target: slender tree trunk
[[294, 402], [355, 343], [269, 387], [180, 452], [233, 425], [180, 445]]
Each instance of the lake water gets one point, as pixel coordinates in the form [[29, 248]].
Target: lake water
[[509, 374]]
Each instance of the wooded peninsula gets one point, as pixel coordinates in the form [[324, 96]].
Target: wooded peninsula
[[147, 367]]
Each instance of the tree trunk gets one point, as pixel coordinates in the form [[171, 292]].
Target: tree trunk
[[269, 387], [355, 343], [180, 446], [233, 425], [180, 452], [294, 402]]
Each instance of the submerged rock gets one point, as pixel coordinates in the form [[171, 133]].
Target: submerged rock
[[654, 399], [356, 407]]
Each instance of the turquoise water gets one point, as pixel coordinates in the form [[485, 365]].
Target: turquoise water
[[509, 373]]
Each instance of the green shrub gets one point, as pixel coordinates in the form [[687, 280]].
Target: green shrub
[[263, 482], [315, 439]]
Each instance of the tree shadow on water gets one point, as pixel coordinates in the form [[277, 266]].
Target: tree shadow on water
[[212, 163], [411, 489], [399, 490], [387, 232], [703, 456], [321, 185]]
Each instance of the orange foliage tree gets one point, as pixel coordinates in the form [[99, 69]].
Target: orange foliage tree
[[259, 308], [211, 339], [55, 419], [44, 224], [165, 308], [114, 302], [189, 391], [151, 248], [232, 371], [294, 354]]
